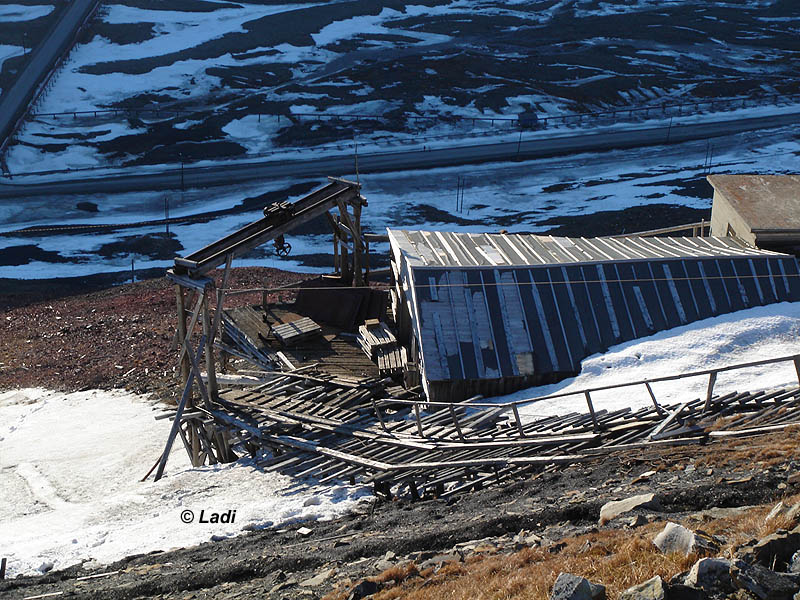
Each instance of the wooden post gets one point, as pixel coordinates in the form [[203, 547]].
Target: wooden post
[[412, 488], [345, 262], [220, 300], [455, 422], [2, 568], [712, 379], [213, 391], [653, 398], [517, 419], [419, 420], [182, 330], [336, 266], [358, 279], [596, 426], [797, 367], [194, 441], [366, 260], [378, 414]]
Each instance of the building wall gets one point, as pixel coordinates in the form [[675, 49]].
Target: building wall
[[725, 221]]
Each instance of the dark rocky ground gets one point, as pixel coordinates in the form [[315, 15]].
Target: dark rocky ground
[[547, 508]]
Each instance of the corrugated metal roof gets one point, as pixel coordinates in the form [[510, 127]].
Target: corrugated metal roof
[[447, 249], [506, 320]]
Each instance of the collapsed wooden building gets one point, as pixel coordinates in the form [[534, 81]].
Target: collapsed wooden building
[[492, 313], [348, 380]]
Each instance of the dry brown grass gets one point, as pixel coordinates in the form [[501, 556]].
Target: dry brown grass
[[764, 451], [398, 573], [617, 558]]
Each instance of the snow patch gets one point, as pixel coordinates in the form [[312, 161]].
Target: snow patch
[[72, 465], [745, 336], [7, 52], [16, 13]]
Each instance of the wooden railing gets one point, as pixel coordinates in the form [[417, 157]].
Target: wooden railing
[[696, 229], [474, 403]]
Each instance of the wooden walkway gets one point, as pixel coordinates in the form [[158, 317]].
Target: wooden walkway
[[378, 435]]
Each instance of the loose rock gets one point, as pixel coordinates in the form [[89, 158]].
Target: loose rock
[[677, 538], [710, 574], [318, 579], [611, 510], [572, 587], [363, 589], [762, 582], [652, 589]]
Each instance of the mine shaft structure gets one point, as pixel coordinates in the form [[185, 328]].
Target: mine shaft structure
[[341, 202], [328, 403]]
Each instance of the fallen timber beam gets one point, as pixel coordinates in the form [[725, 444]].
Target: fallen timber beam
[[288, 418], [385, 466], [751, 431], [668, 421]]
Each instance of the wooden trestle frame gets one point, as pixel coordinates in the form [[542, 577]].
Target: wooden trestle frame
[[201, 439]]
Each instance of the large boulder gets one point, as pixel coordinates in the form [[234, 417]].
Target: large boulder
[[677, 538], [711, 575], [611, 510], [763, 583], [772, 551], [573, 587]]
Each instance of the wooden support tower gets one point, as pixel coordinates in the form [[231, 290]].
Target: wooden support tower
[[202, 439]]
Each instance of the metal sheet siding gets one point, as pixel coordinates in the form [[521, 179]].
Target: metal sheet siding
[[506, 322]]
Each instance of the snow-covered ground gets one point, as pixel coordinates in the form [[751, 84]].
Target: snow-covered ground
[[745, 336], [516, 196], [343, 58], [71, 467]]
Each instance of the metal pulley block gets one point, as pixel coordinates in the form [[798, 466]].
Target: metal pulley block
[[282, 247]]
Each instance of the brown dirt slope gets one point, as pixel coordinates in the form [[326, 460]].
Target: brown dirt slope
[[109, 338]]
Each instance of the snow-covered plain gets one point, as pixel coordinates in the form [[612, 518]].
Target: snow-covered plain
[[226, 60], [71, 467], [517, 196], [760, 333]]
